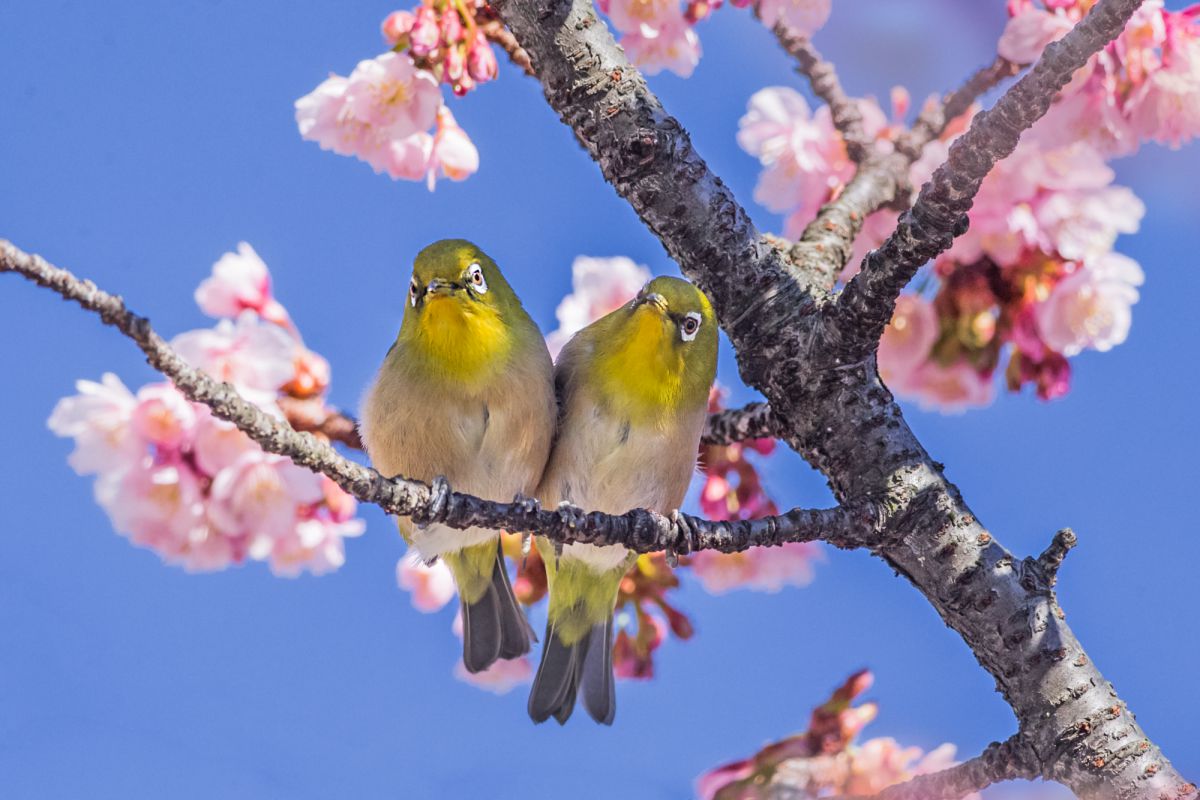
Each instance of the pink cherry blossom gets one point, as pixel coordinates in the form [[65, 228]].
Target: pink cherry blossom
[[908, 340], [217, 444], [240, 281], [671, 45], [255, 356], [804, 17], [452, 154], [99, 420], [598, 286], [760, 569], [628, 16], [501, 677], [1027, 34], [316, 544], [1091, 307], [396, 25], [163, 417], [481, 59], [1166, 108], [392, 96], [257, 497], [156, 505], [949, 389], [431, 586], [425, 32]]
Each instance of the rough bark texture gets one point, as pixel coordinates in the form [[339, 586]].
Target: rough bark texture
[[813, 359]]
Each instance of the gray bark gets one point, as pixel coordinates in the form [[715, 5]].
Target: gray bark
[[812, 357]]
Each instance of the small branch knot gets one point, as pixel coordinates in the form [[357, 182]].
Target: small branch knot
[[1052, 557]]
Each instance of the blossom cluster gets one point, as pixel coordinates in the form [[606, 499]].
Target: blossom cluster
[[1035, 280], [659, 34], [383, 112], [826, 759], [193, 488], [1143, 86]]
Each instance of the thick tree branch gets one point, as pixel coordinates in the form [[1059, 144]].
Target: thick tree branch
[[752, 421], [831, 407], [940, 212], [825, 84], [639, 530]]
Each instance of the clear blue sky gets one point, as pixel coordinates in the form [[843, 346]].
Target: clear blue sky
[[141, 140]]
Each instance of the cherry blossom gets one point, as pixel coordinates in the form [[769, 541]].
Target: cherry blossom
[[803, 17], [908, 340], [431, 585], [1091, 307], [240, 281], [452, 154], [257, 357], [392, 96], [826, 759], [763, 569], [598, 286], [672, 46], [193, 488], [98, 419]]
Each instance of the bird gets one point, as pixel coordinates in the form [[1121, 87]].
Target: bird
[[633, 395], [465, 394]]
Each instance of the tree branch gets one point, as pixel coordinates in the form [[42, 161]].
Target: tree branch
[[940, 212], [932, 121], [825, 84], [831, 407], [1000, 761], [639, 530]]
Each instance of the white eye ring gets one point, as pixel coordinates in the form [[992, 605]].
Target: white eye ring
[[413, 290], [478, 282], [690, 326]]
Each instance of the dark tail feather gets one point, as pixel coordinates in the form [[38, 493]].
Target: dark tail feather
[[494, 626], [516, 634], [599, 693], [565, 668], [554, 686]]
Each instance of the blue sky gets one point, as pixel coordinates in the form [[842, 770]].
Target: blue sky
[[141, 140]]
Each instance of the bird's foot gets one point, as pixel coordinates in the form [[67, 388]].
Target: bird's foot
[[439, 496]]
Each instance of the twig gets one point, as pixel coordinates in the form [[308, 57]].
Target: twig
[[825, 84], [1000, 761]]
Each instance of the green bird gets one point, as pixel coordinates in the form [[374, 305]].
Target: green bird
[[633, 394], [466, 392]]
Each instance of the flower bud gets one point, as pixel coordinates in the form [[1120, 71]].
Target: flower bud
[[481, 61], [424, 33], [396, 25]]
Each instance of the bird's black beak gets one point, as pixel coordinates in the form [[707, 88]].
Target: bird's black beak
[[655, 299], [439, 286]]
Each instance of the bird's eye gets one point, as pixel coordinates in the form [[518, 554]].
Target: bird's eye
[[413, 291], [691, 324], [475, 275]]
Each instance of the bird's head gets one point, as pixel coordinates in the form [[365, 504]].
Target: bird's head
[[659, 352], [460, 311]]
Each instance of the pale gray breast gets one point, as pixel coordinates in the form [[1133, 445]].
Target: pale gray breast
[[493, 443], [604, 463]]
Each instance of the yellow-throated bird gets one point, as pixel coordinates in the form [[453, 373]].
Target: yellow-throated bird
[[633, 391], [466, 392]]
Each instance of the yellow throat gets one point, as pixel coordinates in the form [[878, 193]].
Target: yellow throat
[[641, 374], [466, 344]]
